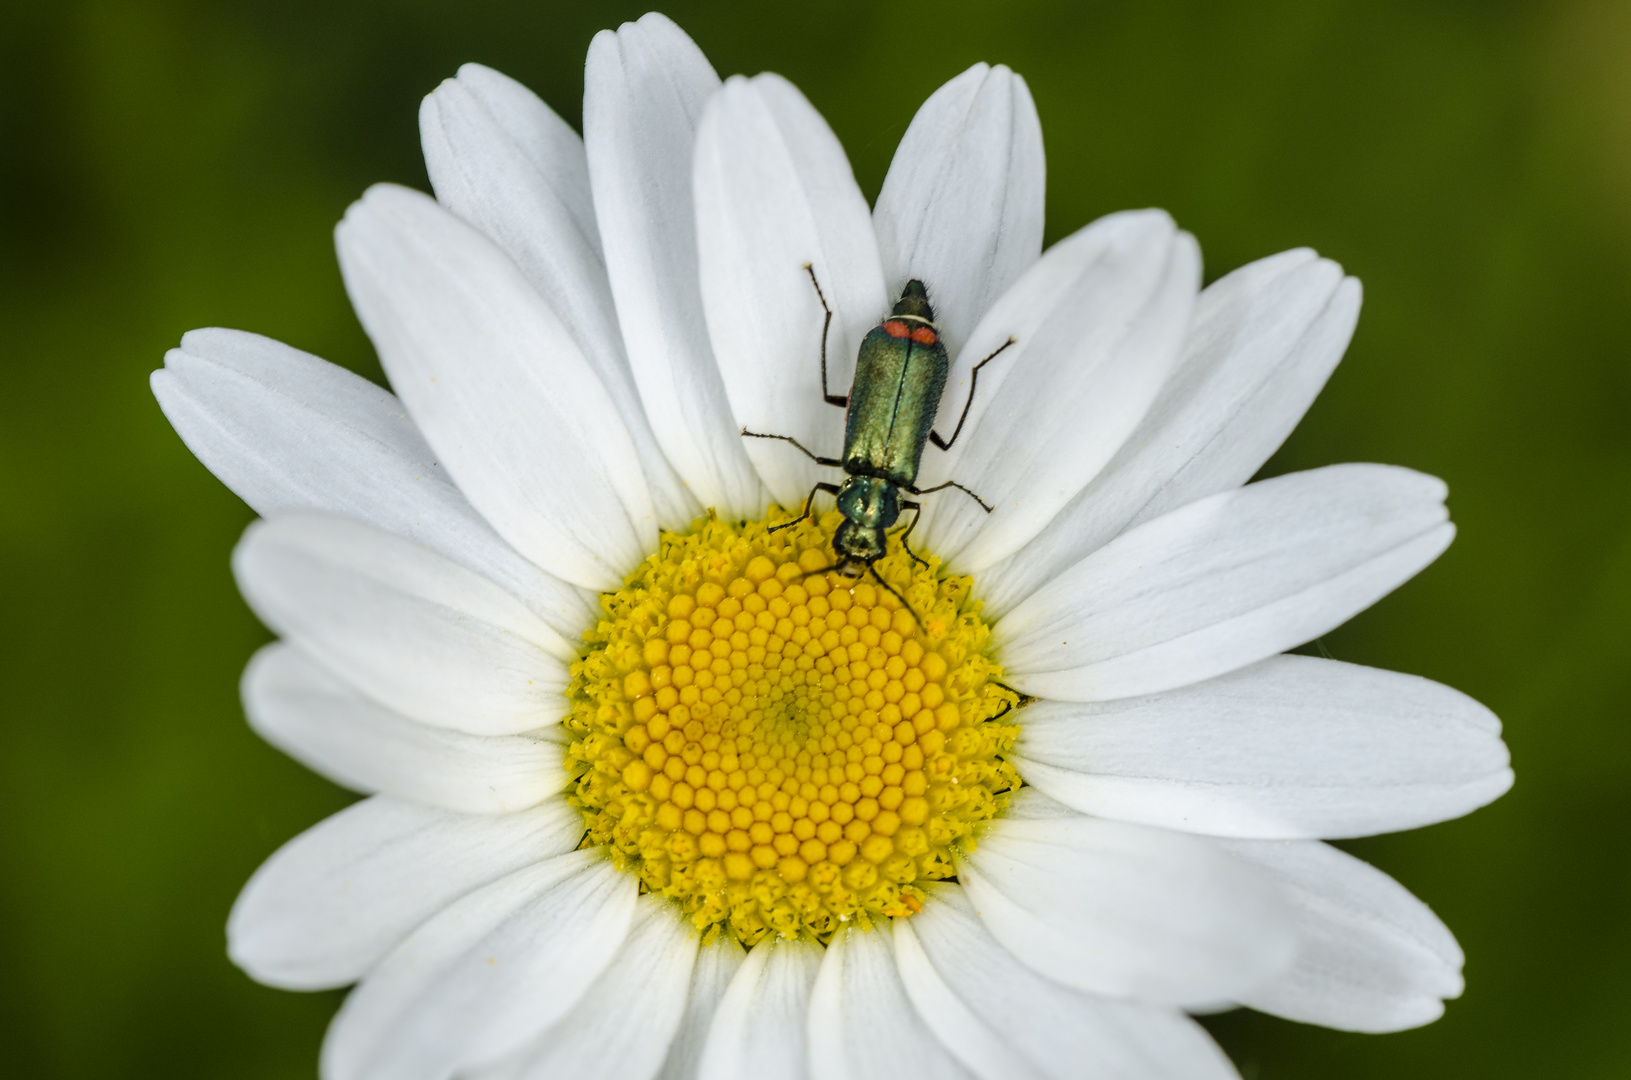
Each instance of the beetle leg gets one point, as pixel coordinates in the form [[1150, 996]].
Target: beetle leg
[[819, 460], [809, 505], [973, 379], [1024, 698], [947, 484], [918, 507], [841, 400]]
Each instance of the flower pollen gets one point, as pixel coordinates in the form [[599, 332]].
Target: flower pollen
[[781, 749]]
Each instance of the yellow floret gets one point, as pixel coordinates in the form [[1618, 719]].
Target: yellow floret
[[781, 748]]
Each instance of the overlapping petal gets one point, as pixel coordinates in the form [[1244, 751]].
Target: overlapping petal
[[1292, 747], [1370, 957], [502, 160], [1126, 910], [505, 162], [716, 965], [1096, 325], [325, 908], [288, 431], [1224, 582], [1006, 1022], [417, 633], [485, 975], [645, 87], [774, 196], [961, 208], [862, 1024], [324, 723], [1262, 342], [622, 1027], [498, 386], [759, 1027]]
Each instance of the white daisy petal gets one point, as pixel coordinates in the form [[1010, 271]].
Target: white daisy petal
[[424, 636], [486, 974], [1370, 957], [1096, 325], [498, 386], [295, 704], [507, 156], [331, 902], [1033, 804], [288, 431], [1006, 1022], [758, 1031], [983, 1048], [1262, 343], [715, 967], [862, 1026], [645, 87], [1294, 747], [622, 1028], [961, 208], [1224, 582], [502, 160], [775, 194], [1125, 910]]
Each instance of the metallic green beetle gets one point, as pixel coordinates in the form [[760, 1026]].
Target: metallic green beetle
[[890, 410]]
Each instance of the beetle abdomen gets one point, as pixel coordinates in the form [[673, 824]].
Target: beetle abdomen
[[899, 375]]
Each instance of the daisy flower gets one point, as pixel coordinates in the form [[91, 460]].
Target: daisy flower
[[657, 790]]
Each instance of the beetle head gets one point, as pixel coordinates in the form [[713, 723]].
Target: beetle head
[[857, 545], [868, 502]]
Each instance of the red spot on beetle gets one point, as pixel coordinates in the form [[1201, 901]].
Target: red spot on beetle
[[896, 328], [923, 335]]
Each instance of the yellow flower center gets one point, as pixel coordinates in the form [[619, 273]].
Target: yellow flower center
[[780, 748]]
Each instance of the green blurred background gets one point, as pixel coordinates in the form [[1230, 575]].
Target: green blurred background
[[179, 163]]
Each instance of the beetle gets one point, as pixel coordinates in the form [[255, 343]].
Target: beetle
[[889, 416]]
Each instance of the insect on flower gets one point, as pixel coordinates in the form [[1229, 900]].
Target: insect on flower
[[900, 372]]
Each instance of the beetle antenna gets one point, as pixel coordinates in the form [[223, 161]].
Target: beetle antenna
[[907, 604], [845, 565], [838, 566]]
